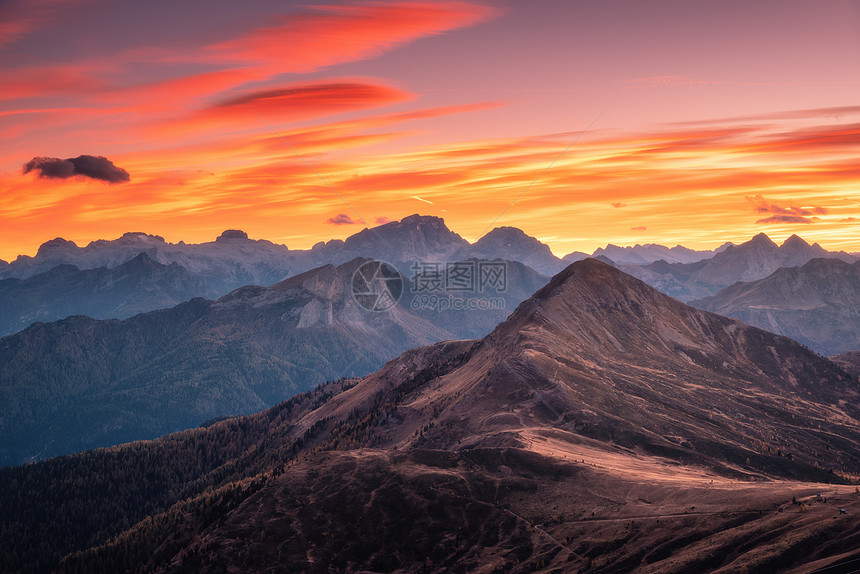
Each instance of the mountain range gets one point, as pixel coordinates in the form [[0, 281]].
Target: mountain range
[[233, 260], [817, 304], [651, 252], [33, 288], [749, 261], [603, 427], [136, 286], [82, 383]]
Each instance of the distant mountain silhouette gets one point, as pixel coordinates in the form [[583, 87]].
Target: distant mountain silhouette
[[750, 261], [229, 262], [575, 256], [511, 243], [233, 260], [651, 252], [138, 285], [817, 304], [600, 410]]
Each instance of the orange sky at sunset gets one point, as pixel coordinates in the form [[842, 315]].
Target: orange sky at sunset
[[582, 123]]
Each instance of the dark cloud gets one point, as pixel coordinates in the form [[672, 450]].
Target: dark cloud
[[781, 214], [94, 167], [618, 204], [382, 220], [341, 219], [638, 228], [786, 219], [848, 219]]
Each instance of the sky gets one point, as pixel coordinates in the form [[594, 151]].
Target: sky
[[582, 122]]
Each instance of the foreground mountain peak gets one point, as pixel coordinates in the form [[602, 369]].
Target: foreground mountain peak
[[593, 305], [594, 280]]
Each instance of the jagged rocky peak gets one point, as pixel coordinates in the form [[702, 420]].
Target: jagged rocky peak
[[795, 241], [417, 219], [760, 239], [232, 234], [427, 224], [416, 236], [140, 236]]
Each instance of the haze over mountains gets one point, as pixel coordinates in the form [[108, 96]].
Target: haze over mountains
[[650, 252], [817, 304], [81, 383], [138, 285], [749, 261], [603, 427], [233, 260]]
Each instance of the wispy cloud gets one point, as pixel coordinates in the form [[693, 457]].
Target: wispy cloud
[[328, 35], [341, 219], [791, 214]]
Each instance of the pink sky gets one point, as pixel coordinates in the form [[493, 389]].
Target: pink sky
[[580, 122]]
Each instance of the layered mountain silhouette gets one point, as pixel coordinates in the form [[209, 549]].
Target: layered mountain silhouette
[[651, 252], [415, 237], [233, 261], [750, 261], [81, 383], [512, 244], [604, 427], [229, 262], [136, 286], [817, 304]]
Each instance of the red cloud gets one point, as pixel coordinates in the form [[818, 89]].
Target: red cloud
[[331, 35], [786, 214], [48, 81], [638, 228], [289, 103]]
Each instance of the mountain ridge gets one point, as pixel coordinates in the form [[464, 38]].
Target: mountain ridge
[[817, 304], [138, 285], [162, 371], [598, 406], [748, 261]]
